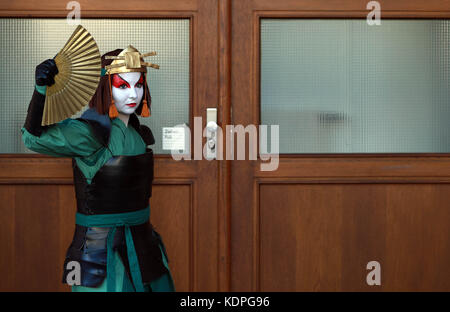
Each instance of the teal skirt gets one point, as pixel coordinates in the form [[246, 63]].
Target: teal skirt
[[123, 283]]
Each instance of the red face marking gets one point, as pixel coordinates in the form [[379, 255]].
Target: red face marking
[[117, 81]]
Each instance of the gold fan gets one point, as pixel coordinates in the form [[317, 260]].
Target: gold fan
[[79, 68]]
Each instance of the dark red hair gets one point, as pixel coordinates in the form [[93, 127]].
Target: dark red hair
[[101, 100]]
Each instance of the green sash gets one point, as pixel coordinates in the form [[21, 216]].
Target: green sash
[[126, 219]]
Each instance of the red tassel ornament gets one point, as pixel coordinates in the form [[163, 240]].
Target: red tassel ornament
[[145, 110]]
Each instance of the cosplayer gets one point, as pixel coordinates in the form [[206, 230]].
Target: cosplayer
[[114, 242]]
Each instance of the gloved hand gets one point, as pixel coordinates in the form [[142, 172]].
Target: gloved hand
[[44, 76], [45, 73]]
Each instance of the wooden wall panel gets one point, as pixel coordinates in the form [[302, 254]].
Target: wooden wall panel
[[38, 223], [320, 237], [311, 222], [191, 195], [171, 215], [7, 237], [350, 5], [35, 235], [419, 219], [36, 250], [66, 211], [113, 8]]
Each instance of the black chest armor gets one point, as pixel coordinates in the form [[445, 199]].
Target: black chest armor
[[122, 184]]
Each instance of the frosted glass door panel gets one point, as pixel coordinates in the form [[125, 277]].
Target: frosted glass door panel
[[28, 42], [342, 86]]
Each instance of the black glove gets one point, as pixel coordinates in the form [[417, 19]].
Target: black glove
[[45, 73], [44, 76]]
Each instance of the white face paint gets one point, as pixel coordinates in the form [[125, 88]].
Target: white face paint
[[127, 91]]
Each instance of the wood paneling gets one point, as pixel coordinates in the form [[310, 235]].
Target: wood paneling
[[40, 169], [321, 237], [37, 250], [7, 237], [172, 214], [66, 226], [113, 8], [189, 204], [224, 118], [37, 227], [315, 222], [350, 5], [113, 5]]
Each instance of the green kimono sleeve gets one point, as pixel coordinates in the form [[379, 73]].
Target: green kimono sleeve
[[68, 138]]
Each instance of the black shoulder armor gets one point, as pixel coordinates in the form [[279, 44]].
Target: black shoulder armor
[[143, 130], [101, 126], [147, 135]]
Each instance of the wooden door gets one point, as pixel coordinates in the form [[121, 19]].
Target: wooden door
[[37, 195], [316, 222]]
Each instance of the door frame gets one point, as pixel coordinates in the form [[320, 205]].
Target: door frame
[[305, 168], [209, 181]]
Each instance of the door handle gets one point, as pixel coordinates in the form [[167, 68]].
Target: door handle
[[211, 133]]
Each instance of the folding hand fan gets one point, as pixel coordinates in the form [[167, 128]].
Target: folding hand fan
[[79, 69]]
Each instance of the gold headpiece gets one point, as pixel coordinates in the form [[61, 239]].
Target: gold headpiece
[[129, 60]]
